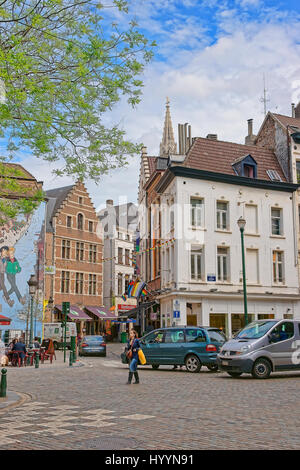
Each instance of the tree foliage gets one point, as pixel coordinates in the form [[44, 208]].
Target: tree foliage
[[63, 65]]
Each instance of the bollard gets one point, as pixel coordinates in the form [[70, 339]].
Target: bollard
[[3, 383], [37, 361], [73, 347], [71, 358]]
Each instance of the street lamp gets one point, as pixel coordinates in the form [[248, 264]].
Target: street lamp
[[241, 224], [50, 306], [32, 283]]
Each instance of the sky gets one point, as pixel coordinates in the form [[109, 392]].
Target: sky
[[210, 60]]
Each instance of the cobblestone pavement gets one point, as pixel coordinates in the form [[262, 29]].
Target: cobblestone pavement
[[91, 407]]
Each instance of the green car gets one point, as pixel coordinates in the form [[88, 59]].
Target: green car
[[193, 347]]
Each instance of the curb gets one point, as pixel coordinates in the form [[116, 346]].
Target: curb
[[20, 398]]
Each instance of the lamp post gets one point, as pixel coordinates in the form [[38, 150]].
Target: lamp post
[[32, 283], [241, 224], [50, 306]]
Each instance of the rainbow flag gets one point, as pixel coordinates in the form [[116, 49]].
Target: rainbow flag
[[124, 297]]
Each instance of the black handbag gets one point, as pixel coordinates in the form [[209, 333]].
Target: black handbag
[[124, 358]]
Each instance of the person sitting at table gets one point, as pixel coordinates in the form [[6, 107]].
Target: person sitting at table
[[36, 343], [20, 348]]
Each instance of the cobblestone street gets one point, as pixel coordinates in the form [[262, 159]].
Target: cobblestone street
[[91, 407]]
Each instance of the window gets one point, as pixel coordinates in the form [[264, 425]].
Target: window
[[120, 255], [251, 218], [79, 251], [69, 221], [120, 236], [65, 282], [273, 175], [197, 212], [216, 336], [197, 263], [174, 336], [126, 283], [195, 335], [223, 262], [93, 253], [127, 257], [252, 272], [120, 284], [128, 237], [276, 217], [282, 332], [92, 284], [80, 222], [278, 267], [298, 171], [80, 200], [79, 283], [222, 215], [248, 171], [65, 249], [90, 226], [154, 337]]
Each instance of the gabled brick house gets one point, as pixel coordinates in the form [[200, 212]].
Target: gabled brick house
[[73, 257]]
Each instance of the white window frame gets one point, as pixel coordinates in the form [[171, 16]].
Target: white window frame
[[220, 213], [197, 212], [276, 264], [197, 254], [222, 256], [280, 218]]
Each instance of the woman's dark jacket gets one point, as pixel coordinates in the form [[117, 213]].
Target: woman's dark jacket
[[135, 347]]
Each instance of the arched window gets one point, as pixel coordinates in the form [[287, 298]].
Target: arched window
[[80, 222]]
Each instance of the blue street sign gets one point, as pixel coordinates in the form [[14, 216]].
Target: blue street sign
[[176, 313], [211, 278]]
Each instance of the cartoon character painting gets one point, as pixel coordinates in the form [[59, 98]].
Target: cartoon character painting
[[21, 254]]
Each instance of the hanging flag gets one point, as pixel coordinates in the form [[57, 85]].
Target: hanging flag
[[124, 297]]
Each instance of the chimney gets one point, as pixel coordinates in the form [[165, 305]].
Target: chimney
[[293, 110], [109, 202], [250, 138], [184, 138], [212, 136], [297, 111]]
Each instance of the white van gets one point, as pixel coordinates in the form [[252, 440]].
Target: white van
[[55, 332]]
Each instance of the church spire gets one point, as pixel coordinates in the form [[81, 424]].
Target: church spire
[[168, 145]]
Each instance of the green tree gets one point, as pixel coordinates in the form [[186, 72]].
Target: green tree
[[63, 65]]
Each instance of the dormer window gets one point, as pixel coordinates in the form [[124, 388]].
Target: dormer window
[[248, 171], [245, 166]]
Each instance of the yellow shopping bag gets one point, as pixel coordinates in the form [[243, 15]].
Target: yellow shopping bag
[[142, 358]]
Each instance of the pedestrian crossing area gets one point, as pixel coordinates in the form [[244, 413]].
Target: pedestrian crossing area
[[42, 419]]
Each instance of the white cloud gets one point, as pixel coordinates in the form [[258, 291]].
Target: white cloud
[[215, 86]]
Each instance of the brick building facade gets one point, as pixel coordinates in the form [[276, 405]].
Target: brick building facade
[[73, 257]]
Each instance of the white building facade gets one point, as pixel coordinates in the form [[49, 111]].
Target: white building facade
[[201, 271]]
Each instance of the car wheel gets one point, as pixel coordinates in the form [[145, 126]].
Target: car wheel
[[192, 363], [213, 367], [261, 369], [155, 366], [234, 374]]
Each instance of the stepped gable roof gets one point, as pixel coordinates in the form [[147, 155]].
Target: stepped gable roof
[[55, 198], [218, 156], [24, 179]]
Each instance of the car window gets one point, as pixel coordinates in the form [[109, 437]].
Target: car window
[[154, 337], [216, 335], [94, 338], [282, 332], [174, 336], [195, 335]]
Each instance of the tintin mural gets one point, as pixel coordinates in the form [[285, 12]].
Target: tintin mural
[[22, 254]]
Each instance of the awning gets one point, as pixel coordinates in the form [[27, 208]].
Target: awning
[[101, 312], [4, 320], [76, 313], [134, 311]]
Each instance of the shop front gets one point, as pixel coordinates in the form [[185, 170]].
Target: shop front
[[101, 322], [77, 315]]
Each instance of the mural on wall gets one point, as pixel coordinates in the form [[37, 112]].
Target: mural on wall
[[22, 254]]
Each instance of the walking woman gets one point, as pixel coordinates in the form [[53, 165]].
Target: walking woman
[[133, 347]]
